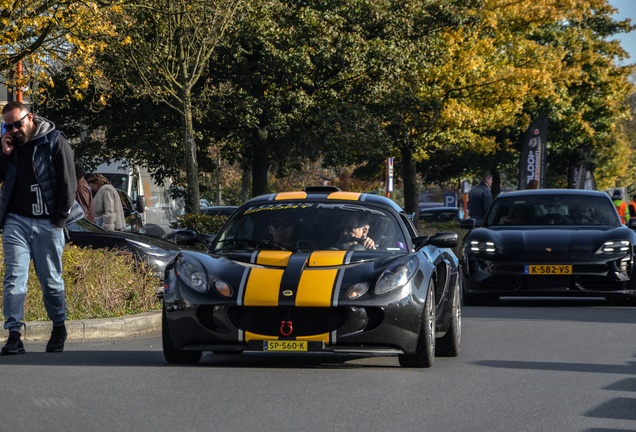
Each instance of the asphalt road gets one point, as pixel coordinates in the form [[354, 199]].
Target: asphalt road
[[537, 365]]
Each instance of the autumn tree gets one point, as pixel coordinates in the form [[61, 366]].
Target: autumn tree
[[565, 68], [167, 46], [46, 36]]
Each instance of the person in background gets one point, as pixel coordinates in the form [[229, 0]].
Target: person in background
[[533, 184], [621, 206], [480, 199], [109, 212], [84, 194], [632, 207], [38, 192]]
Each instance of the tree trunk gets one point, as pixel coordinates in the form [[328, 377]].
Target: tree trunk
[[409, 176], [191, 166], [260, 165], [246, 182], [219, 189], [495, 189]]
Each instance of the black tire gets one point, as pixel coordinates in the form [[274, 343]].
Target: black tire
[[449, 344], [425, 351], [171, 354], [629, 301]]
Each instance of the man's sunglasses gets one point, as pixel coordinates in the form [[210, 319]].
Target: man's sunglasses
[[9, 126], [277, 225]]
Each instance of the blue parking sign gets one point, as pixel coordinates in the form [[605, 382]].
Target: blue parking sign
[[450, 200]]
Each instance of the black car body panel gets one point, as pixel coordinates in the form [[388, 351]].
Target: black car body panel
[[578, 255], [149, 249], [302, 293]]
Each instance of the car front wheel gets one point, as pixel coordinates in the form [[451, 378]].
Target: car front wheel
[[448, 345], [425, 351]]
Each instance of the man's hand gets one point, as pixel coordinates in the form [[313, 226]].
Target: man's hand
[[7, 143], [368, 243]]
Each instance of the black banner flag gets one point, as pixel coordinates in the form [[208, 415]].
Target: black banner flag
[[532, 165]]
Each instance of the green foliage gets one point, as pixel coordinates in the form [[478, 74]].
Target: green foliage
[[202, 223], [98, 283]]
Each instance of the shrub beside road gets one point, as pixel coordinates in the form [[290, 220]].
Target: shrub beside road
[[99, 284]]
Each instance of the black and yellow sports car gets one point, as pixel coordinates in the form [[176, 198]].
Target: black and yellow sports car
[[319, 270]]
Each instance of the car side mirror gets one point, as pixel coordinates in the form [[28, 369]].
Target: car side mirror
[[444, 240], [185, 237], [420, 242], [141, 203], [632, 222], [467, 224]]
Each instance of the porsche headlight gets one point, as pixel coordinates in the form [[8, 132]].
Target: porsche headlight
[[481, 246], [396, 276], [191, 275], [614, 247]]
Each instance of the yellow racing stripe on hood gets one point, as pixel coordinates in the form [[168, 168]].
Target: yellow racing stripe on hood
[[315, 288], [273, 258], [263, 287], [290, 195], [326, 258], [354, 196]]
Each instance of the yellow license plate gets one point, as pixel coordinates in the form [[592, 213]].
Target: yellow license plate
[[549, 269], [282, 345]]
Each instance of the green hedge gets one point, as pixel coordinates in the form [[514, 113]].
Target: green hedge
[[99, 283], [202, 223]]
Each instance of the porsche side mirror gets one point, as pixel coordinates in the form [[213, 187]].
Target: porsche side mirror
[[444, 240], [467, 224], [632, 223], [185, 237]]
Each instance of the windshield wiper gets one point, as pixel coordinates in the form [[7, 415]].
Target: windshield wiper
[[260, 242]]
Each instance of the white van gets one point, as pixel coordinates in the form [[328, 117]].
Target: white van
[[159, 211]]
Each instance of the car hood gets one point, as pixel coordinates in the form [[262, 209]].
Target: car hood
[[144, 238], [514, 242], [311, 278]]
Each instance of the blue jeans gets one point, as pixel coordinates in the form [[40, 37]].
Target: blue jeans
[[25, 239]]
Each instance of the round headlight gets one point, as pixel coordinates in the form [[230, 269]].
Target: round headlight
[[396, 276], [195, 278]]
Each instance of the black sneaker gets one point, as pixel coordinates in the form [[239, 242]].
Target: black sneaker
[[14, 345], [58, 337]]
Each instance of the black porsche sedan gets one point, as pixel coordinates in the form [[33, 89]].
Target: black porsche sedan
[[145, 248], [319, 270], [549, 242]]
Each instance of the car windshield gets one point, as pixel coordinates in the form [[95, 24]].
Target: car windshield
[[311, 227], [543, 209]]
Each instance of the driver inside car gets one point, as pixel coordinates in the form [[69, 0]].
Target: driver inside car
[[281, 229], [354, 232]]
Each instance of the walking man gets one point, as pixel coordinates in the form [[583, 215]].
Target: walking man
[[480, 199], [38, 191]]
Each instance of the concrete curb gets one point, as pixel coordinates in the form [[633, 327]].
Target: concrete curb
[[102, 328]]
